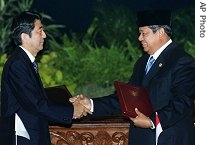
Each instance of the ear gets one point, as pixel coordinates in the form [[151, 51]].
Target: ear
[[24, 37], [161, 32]]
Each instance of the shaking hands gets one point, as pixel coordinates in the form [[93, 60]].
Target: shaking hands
[[82, 106]]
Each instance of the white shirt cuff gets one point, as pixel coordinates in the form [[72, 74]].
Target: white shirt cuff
[[153, 126], [92, 107]]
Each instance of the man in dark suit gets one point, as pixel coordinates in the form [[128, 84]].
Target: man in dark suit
[[170, 82], [25, 108]]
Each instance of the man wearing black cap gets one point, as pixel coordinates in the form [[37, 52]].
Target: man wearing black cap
[[170, 82]]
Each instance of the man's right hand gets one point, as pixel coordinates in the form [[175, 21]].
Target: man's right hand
[[83, 102]]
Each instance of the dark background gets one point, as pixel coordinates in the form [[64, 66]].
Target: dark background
[[76, 15]]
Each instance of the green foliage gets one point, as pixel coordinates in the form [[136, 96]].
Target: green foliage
[[51, 74], [105, 65], [83, 65], [116, 23], [70, 53], [183, 25], [3, 59]]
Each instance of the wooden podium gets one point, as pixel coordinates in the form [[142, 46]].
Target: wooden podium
[[97, 131]]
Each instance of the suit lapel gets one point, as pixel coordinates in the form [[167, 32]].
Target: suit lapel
[[160, 64], [34, 75], [155, 69]]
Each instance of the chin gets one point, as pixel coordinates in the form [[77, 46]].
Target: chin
[[145, 49]]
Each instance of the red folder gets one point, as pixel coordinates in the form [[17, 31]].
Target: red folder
[[131, 97]]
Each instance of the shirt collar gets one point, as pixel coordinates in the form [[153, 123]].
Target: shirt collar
[[158, 52], [31, 57]]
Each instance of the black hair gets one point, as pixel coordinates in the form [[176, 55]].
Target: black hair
[[23, 23]]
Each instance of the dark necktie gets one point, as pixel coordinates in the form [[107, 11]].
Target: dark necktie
[[149, 64], [35, 66]]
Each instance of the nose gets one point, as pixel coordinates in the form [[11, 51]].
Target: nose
[[140, 38], [44, 34]]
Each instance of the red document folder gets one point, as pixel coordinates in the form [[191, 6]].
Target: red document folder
[[131, 97]]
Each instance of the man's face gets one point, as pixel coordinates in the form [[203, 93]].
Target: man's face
[[35, 43], [148, 39]]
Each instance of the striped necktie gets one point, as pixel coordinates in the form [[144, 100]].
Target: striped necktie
[[149, 64], [35, 66]]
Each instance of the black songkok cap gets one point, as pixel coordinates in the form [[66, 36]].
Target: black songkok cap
[[154, 17]]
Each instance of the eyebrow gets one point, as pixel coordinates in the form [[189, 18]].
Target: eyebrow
[[141, 30], [40, 27]]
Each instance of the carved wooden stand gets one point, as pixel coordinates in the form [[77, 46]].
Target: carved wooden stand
[[103, 131]]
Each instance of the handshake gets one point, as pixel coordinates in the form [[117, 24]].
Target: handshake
[[82, 106]]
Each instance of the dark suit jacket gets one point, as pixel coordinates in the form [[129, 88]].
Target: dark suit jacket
[[22, 92], [171, 85]]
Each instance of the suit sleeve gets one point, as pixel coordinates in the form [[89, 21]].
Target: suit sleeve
[[106, 106]]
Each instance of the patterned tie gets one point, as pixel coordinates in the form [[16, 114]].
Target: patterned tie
[[149, 64], [35, 66]]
